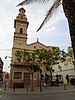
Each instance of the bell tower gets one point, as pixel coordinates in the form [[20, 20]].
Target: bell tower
[[20, 25]]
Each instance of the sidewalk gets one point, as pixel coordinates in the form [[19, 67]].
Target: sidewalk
[[53, 89]]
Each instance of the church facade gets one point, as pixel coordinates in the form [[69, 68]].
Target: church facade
[[18, 73]]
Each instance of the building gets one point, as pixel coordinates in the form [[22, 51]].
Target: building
[[1, 69], [19, 76], [64, 68], [18, 73]]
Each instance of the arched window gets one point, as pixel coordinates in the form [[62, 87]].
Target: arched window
[[21, 30]]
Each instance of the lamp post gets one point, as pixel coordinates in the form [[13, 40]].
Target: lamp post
[[11, 70], [7, 57]]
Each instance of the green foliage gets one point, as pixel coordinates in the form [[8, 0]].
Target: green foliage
[[40, 56], [48, 57], [63, 56], [70, 53], [28, 59], [18, 55]]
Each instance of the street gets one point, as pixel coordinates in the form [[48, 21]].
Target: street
[[38, 96], [48, 93]]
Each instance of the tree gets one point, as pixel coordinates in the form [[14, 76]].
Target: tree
[[48, 58], [52, 58], [69, 10], [70, 54], [62, 56], [32, 67], [29, 62]]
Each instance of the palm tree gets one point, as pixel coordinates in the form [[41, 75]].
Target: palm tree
[[69, 10]]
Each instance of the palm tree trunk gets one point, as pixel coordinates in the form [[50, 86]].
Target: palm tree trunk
[[69, 10], [72, 34]]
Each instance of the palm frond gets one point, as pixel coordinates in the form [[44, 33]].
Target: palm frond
[[26, 2], [50, 12]]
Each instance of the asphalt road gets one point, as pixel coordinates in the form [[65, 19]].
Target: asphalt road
[[38, 96]]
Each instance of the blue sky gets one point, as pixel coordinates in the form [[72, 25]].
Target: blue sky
[[54, 33]]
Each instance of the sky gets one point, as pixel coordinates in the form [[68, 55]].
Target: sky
[[54, 33]]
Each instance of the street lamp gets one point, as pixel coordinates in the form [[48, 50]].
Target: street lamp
[[11, 70], [7, 56]]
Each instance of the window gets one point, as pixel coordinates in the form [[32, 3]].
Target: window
[[35, 47], [21, 30], [17, 75]]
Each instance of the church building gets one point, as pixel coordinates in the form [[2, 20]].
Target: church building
[[18, 74]]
